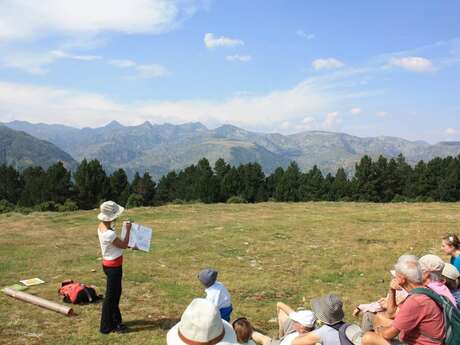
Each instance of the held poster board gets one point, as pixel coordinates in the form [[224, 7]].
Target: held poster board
[[140, 236]]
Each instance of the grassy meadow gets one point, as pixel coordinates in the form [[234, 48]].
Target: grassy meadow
[[264, 252]]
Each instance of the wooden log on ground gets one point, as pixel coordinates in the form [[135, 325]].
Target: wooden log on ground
[[41, 302]]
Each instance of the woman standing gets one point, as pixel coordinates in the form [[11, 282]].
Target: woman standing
[[451, 246], [112, 261]]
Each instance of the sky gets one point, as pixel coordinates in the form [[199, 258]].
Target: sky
[[367, 68]]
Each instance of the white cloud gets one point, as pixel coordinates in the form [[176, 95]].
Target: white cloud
[[63, 55], [308, 36], [21, 20], [331, 120], [142, 71], [151, 71], [212, 41], [36, 63], [329, 63], [451, 131], [239, 58], [381, 114], [122, 63], [413, 63], [298, 105], [355, 111]]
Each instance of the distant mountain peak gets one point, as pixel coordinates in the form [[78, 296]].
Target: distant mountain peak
[[114, 124]]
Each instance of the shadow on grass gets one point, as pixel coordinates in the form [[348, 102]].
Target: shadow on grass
[[164, 324]]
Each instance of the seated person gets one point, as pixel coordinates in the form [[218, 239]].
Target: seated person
[[291, 324], [216, 292], [432, 267], [201, 324], [419, 320], [329, 313], [385, 305], [450, 277], [243, 330]]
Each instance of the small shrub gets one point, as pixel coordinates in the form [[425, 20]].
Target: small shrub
[[24, 210], [46, 206], [236, 200], [424, 199], [68, 206], [178, 202], [6, 206], [399, 198], [135, 200]]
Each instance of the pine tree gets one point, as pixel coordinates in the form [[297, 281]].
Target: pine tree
[[288, 187], [120, 187], [11, 184], [58, 183], [92, 184], [34, 191]]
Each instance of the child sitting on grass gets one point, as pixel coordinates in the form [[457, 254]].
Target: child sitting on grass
[[216, 292], [243, 330]]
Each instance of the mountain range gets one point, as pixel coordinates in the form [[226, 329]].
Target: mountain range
[[22, 150], [162, 148]]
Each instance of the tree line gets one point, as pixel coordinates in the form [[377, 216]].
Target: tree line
[[379, 180]]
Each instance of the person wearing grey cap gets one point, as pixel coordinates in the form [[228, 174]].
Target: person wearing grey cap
[[329, 312], [216, 292]]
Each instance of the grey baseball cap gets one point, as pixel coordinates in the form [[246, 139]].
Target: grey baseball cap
[[207, 277]]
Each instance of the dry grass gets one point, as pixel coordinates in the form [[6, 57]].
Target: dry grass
[[264, 252]]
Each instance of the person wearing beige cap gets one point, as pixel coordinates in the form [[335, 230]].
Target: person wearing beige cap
[[450, 276], [291, 324], [112, 261], [419, 320], [432, 267], [201, 324]]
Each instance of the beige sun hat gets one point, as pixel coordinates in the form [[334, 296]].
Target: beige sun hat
[[201, 323], [450, 271], [110, 210]]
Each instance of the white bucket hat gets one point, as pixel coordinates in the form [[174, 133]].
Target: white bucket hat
[[201, 324], [109, 211]]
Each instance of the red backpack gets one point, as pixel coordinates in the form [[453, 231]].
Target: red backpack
[[76, 292]]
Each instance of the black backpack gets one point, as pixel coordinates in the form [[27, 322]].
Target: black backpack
[[341, 327]]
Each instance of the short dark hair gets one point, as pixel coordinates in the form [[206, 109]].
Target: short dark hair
[[243, 329]]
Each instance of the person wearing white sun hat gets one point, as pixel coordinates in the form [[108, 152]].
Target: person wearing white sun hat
[[201, 324], [112, 261]]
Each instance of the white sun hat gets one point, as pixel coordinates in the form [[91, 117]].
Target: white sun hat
[[201, 324], [109, 211], [305, 317]]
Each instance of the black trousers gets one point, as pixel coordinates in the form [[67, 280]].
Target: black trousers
[[111, 316]]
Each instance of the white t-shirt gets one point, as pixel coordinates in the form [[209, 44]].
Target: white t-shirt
[[218, 295], [287, 340], [109, 251]]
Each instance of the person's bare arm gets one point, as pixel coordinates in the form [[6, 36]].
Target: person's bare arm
[[123, 244], [387, 332], [284, 307], [307, 339], [391, 299]]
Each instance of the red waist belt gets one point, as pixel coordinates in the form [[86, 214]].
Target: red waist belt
[[113, 263]]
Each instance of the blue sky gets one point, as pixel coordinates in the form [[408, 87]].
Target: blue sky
[[367, 68]]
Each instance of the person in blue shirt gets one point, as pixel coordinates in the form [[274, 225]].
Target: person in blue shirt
[[451, 246]]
